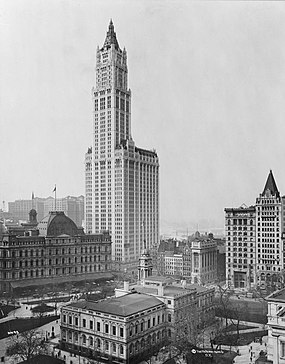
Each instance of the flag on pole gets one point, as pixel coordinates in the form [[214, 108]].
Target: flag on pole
[[54, 188]]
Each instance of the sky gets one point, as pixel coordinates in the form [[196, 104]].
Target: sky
[[208, 94]]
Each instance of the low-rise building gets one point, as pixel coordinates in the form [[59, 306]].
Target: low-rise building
[[276, 327], [125, 329]]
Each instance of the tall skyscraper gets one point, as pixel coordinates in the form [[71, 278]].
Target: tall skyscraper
[[254, 254], [270, 260], [125, 179]]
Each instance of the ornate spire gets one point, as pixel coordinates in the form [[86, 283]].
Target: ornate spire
[[271, 186], [111, 37]]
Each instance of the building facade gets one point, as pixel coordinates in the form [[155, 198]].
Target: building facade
[[254, 250], [53, 251], [276, 327], [196, 261], [204, 261], [125, 329], [173, 264], [269, 223], [125, 182], [72, 206], [240, 246]]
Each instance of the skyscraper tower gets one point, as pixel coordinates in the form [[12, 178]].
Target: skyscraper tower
[[124, 198], [270, 259]]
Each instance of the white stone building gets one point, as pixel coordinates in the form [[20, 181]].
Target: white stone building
[[125, 183]]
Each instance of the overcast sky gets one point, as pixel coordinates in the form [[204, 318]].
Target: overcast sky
[[208, 93]]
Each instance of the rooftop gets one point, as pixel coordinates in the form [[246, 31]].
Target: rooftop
[[277, 296], [126, 305]]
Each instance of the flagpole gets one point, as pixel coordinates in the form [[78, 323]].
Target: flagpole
[[55, 197]]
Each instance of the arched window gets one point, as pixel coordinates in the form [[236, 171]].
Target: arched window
[[131, 329], [148, 340], [153, 338], [83, 339], [90, 341], [98, 343], [137, 327], [131, 348], [106, 345], [158, 336], [76, 336], [137, 346], [121, 350]]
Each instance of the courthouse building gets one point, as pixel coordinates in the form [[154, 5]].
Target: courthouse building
[[125, 329], [122, 195]]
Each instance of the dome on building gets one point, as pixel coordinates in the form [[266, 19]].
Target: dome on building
[[56, 223]]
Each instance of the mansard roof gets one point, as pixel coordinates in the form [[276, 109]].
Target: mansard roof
[[111, 37], [56, 223], [271, 186]]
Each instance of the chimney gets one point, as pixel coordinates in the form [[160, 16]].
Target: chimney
[[160, 290], [126, 286]]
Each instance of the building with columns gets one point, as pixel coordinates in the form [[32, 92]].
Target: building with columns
[[125, 178], [276, 327], [126, 329]]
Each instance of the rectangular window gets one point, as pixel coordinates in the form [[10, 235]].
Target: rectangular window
[[84, 323], [282, 348], [98, 326], [106, 328], [76, 321], [121, 332], [114, 330], [64, 318], [70, 320], [91, 325]]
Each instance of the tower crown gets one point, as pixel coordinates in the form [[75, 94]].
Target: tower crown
[[270, 186], [111, 37]]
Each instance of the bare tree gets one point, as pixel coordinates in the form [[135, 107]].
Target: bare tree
[[26, 345]]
